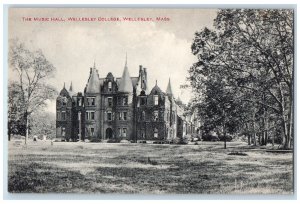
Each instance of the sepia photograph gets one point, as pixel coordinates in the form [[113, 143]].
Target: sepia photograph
[[150, 101]]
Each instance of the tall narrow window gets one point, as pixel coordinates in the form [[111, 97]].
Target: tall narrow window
[[79, 116], [63, 131], [143, 101], [92, 131], [155, 115], [120, 115], [124, 132], [120, 132], [58, 116], [125, 116], [143, 116], [110, 102], [63, 115], [109, 116], [125, 100], [109, 86], [92, 115], [155, 133], [79, 101], [93, 101], [156, 100]]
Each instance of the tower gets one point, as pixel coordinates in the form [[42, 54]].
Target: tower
[[125, 106], [92, 105]]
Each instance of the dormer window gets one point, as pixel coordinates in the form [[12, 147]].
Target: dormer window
[[64, 101], [156, 100], [109, 86], [91, 101], [143, 101]]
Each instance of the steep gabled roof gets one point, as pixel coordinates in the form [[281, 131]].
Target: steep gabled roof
[[93, 85], [156, 90]]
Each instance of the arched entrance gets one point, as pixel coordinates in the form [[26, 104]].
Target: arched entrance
[[109, 133]]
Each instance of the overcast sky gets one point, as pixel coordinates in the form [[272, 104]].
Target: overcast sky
[[72, 47]]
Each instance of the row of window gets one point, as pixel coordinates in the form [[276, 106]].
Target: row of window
[[122, 100], [122, 132], [90, 115], [156, 116]]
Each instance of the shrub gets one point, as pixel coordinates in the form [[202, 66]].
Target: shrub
[[114, 140], [95, 139], [238, 153]]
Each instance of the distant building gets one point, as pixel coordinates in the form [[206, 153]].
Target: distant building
[[119, 108]]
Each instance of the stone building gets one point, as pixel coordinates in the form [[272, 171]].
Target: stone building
[[121, 108]]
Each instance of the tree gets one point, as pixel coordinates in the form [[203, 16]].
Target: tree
[[43, 124], [32, 70], [252, 52]]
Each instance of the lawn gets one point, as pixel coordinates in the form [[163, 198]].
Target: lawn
[[147, 168]]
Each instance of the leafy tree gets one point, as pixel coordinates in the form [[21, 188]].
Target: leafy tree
[[43, 124], [30, 73], [251, 52]]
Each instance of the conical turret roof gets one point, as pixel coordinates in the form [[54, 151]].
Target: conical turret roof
[[169, 89], [125, 82], [93, 85]]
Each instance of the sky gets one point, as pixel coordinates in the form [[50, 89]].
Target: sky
[[163, 47]]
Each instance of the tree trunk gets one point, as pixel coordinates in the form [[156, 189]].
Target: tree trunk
[[27, 128]]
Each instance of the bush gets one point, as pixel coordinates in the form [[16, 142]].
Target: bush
[[95, 140], [238, 153], [114, 140], [210, 138], [228, 138]]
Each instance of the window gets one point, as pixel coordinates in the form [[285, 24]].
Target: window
[[125, 116], [79, 102], [143, 101], [63, 115], [109, 86], [143, 116], [109, 102], [125, 100], [124, 132], [155, 115], [92, 131], [109, 116], [155, 133], [120, 115], [64, 101], [63, 131], [120, 132], [90, 115], [91, 101], [156, 100], [58, 116], [79, 116]]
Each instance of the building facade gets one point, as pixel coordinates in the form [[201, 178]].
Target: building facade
[[119, 108]]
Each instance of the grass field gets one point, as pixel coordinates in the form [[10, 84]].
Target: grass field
[[147, 168]]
